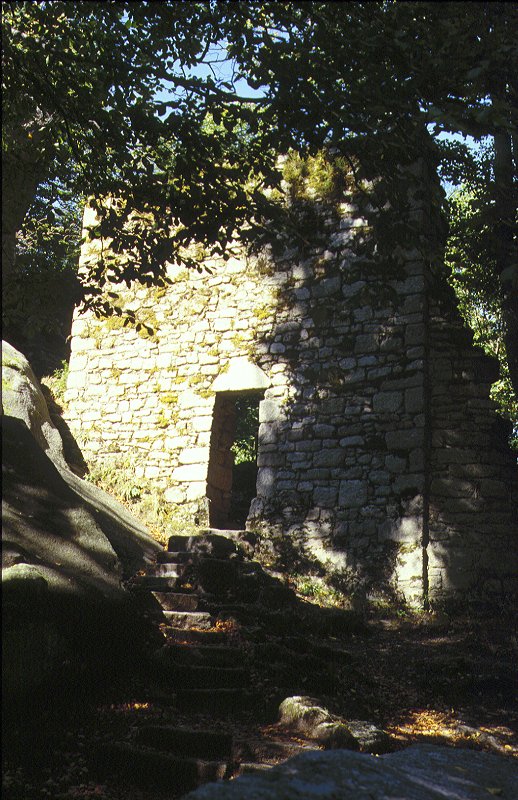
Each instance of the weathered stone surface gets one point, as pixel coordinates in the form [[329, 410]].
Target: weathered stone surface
[[75, 553], [22, 398], [348, 393], [308, 716], [422, 772], [242, 375], [370, 738], [352, 493], [48, 521]]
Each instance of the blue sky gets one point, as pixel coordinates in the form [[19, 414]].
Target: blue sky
[[220, 68]]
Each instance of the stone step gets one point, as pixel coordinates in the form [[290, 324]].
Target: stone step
[[177, 601], [175, 556], [250, 768], [208, 677], [229, 533], [217, 576], [177, 543], [201, 620], [152, 583], [170, 570], [266, 749], [209, 544], [219, 702], [204, 637], [208, 745], [147, 767], [201, 655]]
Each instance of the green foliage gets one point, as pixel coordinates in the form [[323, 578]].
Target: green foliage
[[317, 176], [244, 447], [116, 475], [472, 259], [182, 160], [315, 589], [57, 383], [198, 162], [39, 298]]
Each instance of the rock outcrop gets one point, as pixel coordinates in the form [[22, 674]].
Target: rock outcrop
[[67, 547], [307, 716], [22, 398], [422, 772]]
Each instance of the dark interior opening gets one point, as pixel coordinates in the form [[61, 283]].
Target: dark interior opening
[[232, 474]]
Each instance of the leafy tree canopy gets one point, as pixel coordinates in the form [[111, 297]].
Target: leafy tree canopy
[[80, 100], [362, 80]]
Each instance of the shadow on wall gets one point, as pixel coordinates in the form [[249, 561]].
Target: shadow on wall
[[348, 457]]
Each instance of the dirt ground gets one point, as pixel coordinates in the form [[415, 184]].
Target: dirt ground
[[422, 678]]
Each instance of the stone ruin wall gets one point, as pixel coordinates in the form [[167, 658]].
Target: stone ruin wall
[[376, 449]]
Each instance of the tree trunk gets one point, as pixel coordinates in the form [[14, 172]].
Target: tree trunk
[[23, 168], [505, 237]]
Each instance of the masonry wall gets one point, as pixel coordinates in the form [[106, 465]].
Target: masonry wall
[[368, 406], [472, 528]]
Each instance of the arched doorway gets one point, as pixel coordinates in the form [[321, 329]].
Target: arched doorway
[[232, 472]]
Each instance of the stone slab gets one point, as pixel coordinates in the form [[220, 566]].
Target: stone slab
[[148, 767], [220, 702], [202, 655], [209, 677], [177, 601], [152, 583], [189, 619], [192, 636], [421, 772], [206, 744]]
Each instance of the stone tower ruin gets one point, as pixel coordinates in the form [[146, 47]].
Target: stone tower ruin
[[380, 458]]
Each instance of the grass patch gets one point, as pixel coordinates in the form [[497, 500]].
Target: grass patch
[[141, 497]]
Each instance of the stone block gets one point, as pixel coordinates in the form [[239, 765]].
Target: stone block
[[324, 497], [452, 487], [269, 411], [409, 484], [366, 343], [267, 434], [194, 455], [395, 464], [352, 493], [387, 402], [328, 458], [414, 400], [404, 439], [76, 380], [277, 348], [174, 494], [323, 430], [492, 488], [351, 441], [415, 334], [265, 481], [416, 460], [190, 472]]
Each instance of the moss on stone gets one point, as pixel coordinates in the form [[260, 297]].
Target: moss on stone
[[169, 398]]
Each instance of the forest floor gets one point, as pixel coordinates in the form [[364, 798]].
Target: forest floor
[[422, 678]]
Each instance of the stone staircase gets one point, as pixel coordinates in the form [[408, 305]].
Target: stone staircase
[[200, 676]]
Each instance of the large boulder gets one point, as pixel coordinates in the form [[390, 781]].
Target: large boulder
[[63, 595], [67, 549], [421, 772], [22, 398], [309, 717]]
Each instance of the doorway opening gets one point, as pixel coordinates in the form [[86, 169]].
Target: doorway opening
[[232, 473]]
